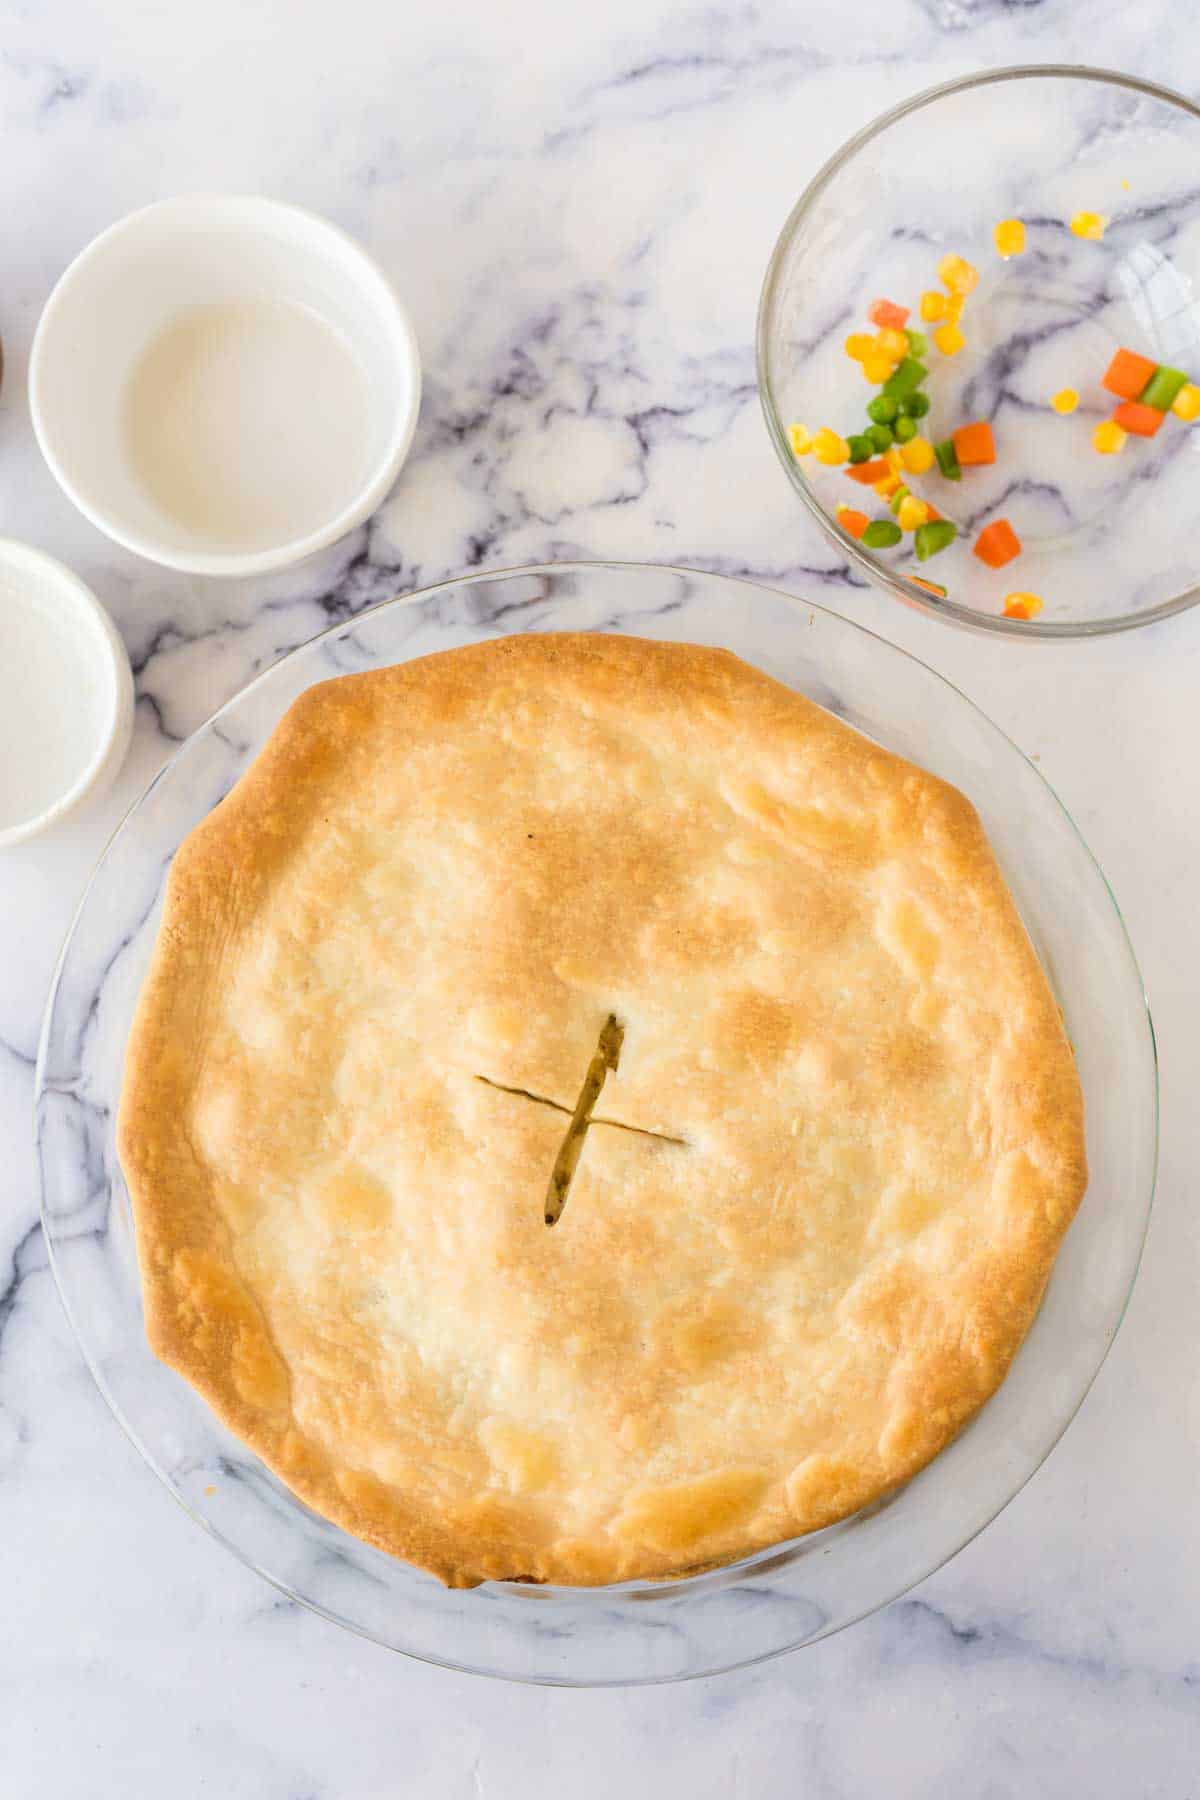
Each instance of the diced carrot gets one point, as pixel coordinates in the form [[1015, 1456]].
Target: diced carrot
[[997, 544], [1127, 374], [931, 586], [1141, 421], [932, 510], [869, 472], [851, 520], [975, 443], [887, 313]]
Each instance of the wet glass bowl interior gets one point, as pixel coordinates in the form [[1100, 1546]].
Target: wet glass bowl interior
[[789, 1596], [1109, 541]]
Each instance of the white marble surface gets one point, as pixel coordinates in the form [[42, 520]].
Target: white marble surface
[[577, 204]]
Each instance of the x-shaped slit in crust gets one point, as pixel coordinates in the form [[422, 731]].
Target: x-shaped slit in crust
[[502, 1087], [583, 1117]]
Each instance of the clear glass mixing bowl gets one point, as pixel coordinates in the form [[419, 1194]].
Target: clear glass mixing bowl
[[1109, 541]]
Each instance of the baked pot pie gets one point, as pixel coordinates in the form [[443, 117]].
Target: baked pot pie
[[591, 1114]]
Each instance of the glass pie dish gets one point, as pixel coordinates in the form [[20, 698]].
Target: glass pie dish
[[792, 1594]]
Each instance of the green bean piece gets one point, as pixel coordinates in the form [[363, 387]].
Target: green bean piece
[[933, 536], [881, 534], [1162, 387], [918, 343], [900, 494], [947, 459], [906, 379]]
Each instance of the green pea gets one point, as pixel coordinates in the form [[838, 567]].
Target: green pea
[[933, 536], [860, 449], [880, 437], [905, 429], [882, 409], [915, 406], [881, 534]]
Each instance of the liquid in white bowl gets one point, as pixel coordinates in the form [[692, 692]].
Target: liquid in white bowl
[[248, 423], [66, 693]]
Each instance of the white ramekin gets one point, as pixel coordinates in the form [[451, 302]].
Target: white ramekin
[[57, 640], [159, 263]]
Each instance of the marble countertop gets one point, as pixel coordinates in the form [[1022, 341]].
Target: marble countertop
[[577, 204]]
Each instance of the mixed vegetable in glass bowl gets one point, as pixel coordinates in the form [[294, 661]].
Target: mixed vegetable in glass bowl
[[985, 385]]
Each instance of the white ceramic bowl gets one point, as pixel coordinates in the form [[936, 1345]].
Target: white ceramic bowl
[[66, 693], [157, 266]]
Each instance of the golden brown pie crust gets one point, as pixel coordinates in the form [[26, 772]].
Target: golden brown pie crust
[[459, 868]]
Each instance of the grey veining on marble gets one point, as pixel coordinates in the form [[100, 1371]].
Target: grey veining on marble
[[577, 204]]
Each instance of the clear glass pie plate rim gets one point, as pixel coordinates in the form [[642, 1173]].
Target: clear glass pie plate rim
[[638, 1633]]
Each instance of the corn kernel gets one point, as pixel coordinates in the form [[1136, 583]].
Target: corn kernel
[[1186, 404], [1009, 237], [829, 448], [957, 274], [894, 459], [917, 456], [933, 306], [954, 309], [1022, 606], [877, 368], [858, 345], [1065, 401], [886, 486], [800, 438], [1089, 225], [949, 339], [1108, 438], [891, 343], [911, 513]]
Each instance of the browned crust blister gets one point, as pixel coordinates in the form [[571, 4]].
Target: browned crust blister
[[869, 1124]]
